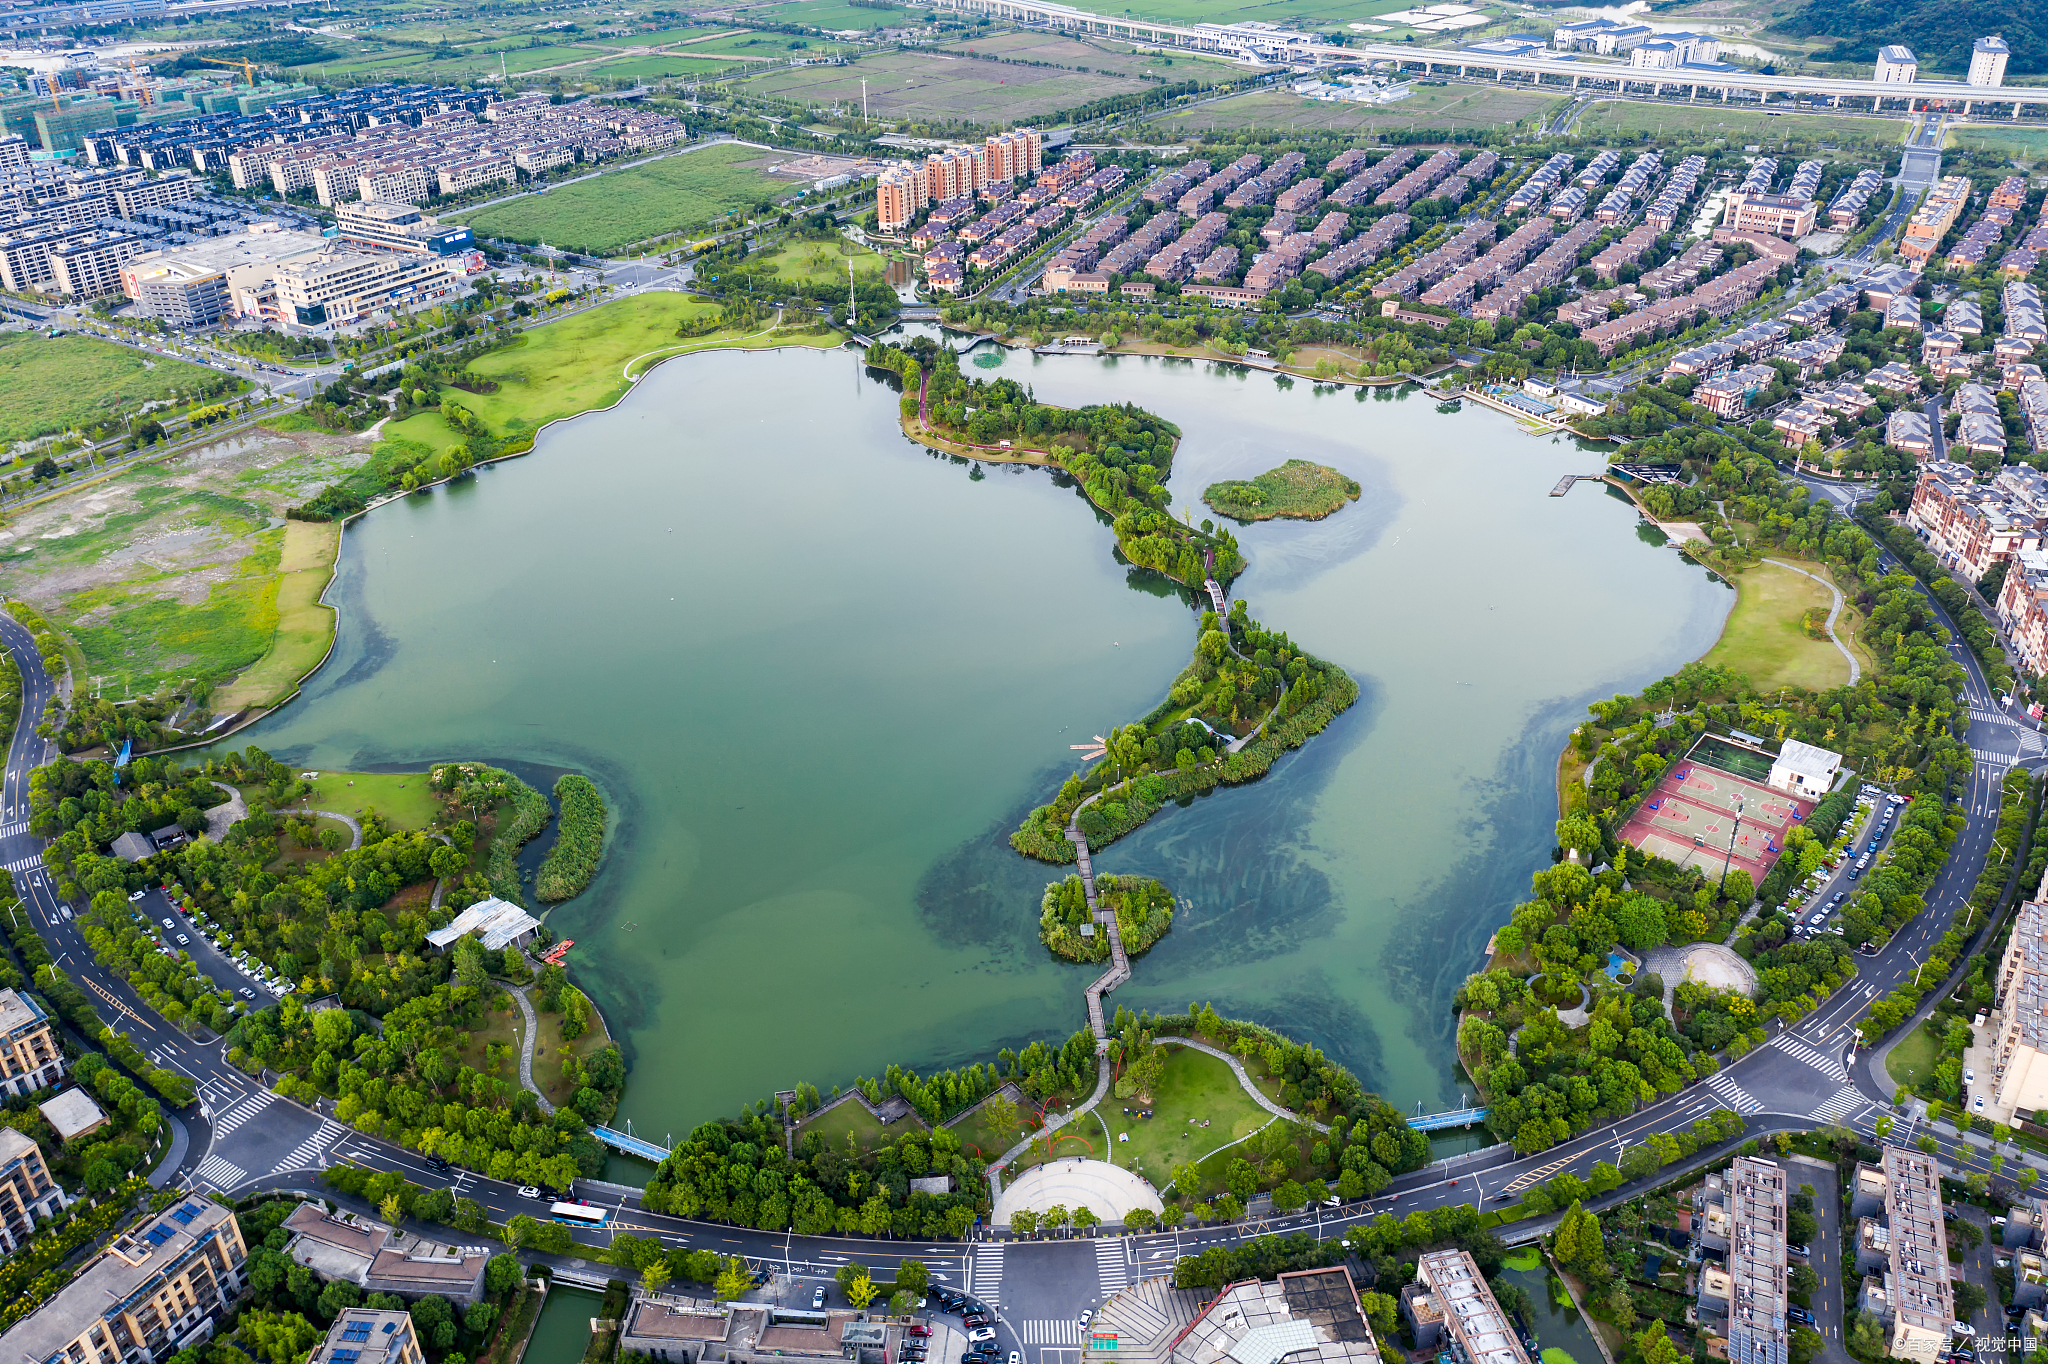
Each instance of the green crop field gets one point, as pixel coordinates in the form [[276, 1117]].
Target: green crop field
[[659, 65], [1447, 107], [829, 14], [1711, 120], [616, 209], [54, 384], [935, 85]]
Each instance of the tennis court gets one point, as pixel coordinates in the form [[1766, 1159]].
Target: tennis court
[[1690, 819]]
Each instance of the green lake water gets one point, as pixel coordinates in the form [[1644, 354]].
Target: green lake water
[[563, 1332], [820, 673]]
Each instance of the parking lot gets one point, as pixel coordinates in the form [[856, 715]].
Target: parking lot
[[248, 984], [1815, 907]]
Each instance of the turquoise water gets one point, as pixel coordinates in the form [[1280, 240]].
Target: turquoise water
[[820, 673]]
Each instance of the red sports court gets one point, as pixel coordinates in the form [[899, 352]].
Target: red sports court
[[1690, 815]]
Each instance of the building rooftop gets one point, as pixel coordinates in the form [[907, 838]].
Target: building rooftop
[[73, 1114], [1483, 1331], [362, 1335], [1808, 760], [1758, 1332], [497, 923], [18, 1012], [667, 1320], [1310, 1317]]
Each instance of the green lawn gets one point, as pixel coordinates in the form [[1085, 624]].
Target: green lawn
[[983, 1141], [53, 384], [573, 365], [614, 210], [1446, 106], [305, 625], [136, 639], [815, 261], [853, 1119], [1196, 1088], [1915, 1056], [827, 14], [1765, 640], [1705, 120], [402, 798]]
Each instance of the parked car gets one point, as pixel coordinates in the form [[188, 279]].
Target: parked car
[[170, 923], [246, 993], [137, 896], [528, 1191], [920, 1330], [817, 1299], [1969, 1077], [982, 1334], [184, 941]]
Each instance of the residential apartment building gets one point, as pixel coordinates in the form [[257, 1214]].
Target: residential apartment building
[[30, 1057], [1988, 57], [1935, 216], [1902, 1251], [27, 1192], [1780, 215], [2018, 1023], [1745, 1299], [1896, 65], [158, 1288], [1716, 298], [363, 1335], [90, 266], [1970, 526]]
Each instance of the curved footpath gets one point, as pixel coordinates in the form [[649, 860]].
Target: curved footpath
[[355, 828], [1855, 668], [526, 1045]]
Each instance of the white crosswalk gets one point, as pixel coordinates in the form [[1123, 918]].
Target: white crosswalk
[[1848, 1100], [1820, 1061], [306, 1155], [240, 1112], [10, 830], [1732, 1094], [986, 1279], [1110, 1268], [1051, 1332], [1989, 759], [219, 1173], [22, 864]]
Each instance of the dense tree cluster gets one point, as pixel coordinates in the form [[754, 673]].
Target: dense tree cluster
[[1142, 905]]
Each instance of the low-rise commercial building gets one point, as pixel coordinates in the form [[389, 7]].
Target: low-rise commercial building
[[339, 285], [203, 282], [401, 227], [1450, 1307], [365, 1335]]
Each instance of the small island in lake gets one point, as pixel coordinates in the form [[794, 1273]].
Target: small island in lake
[[1298, 489], [1143, 909]]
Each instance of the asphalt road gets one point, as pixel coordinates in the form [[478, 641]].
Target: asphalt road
[[244, 1137]]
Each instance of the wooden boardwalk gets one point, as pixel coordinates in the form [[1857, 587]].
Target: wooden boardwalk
[[1564, 485], [1119, 965]]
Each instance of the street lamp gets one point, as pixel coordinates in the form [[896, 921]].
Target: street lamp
[[1730, 858]]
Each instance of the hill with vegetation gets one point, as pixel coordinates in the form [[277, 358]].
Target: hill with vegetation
[[1939, 33]]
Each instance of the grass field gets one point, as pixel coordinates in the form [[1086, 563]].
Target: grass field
[[1713, 120], [1765, 640], [547, 1054], [853, 1119], [53, 384], [822, 262], [403, 798], [574, 365], [983, 1141], [828, 14], [2026, 144], [305, 627], [1195, 1088], [1448, 106], [936, 85], [615, 210], [1096, 56], [1914, 1058], [1298, 489]]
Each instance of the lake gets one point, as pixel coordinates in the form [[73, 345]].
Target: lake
[[820, 673]]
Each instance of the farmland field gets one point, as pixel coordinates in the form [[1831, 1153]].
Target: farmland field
[[613, 210], [1736, 124], [933, 85], [55, 384], [829, 14], [1449, 107]]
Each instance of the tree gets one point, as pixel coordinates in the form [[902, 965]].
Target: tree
[[913, 1278], [1241, 1178], [433, 1317], [1084, 1218], [1969, 1298], [1054, 1217], [1866, 1336], [1024, 1222], [901, 1304], [654, 1277], [1655, 1346], [999, 1112], [503, 1273], [1140, 1219], [733, 1281], [861, 1291], [390, 1208], [280, 1337]]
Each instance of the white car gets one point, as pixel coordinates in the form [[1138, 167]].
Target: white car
[[982, 1333], [1978, 1106], [528, 1191], [170, 923], [1969, 1077]]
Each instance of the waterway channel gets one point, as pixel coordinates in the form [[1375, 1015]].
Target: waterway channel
[[820, 672]]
